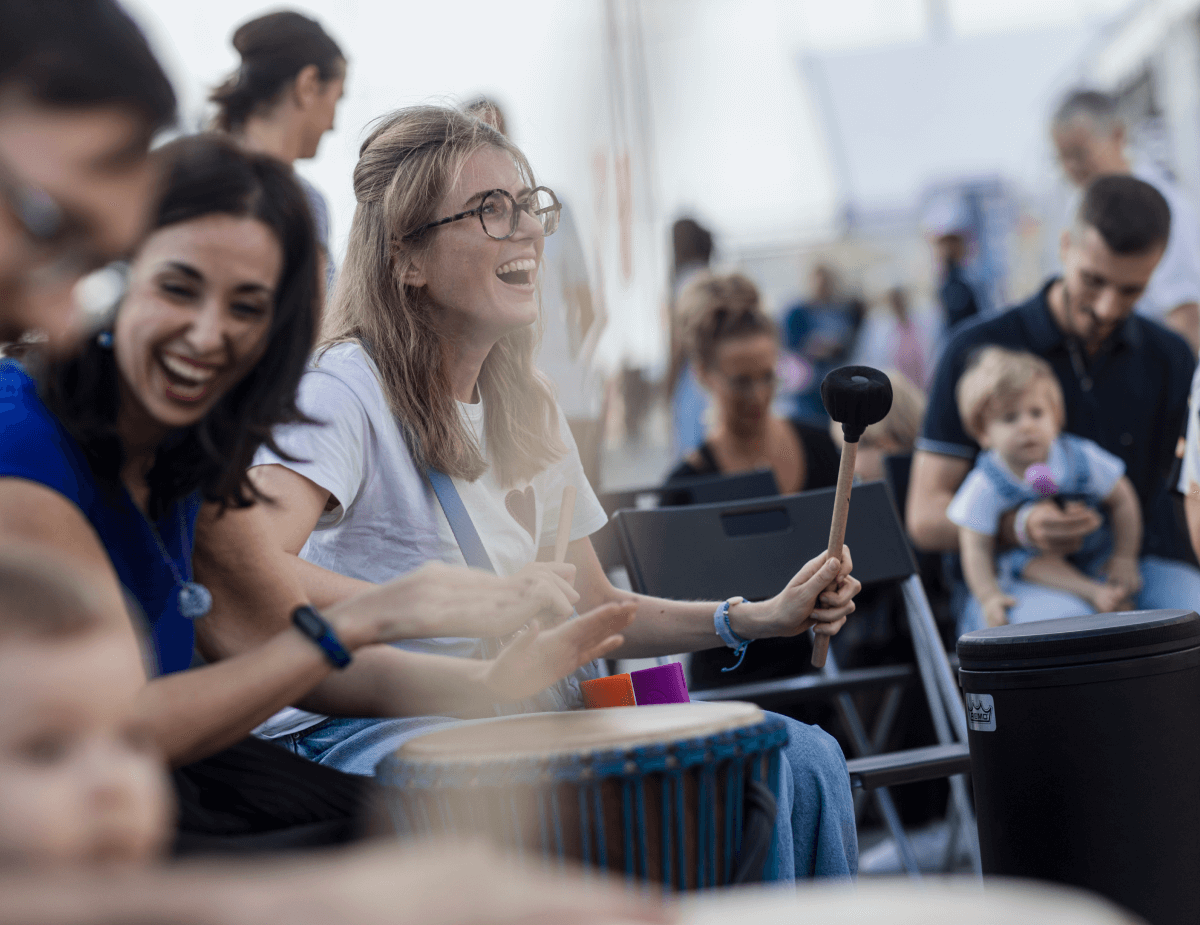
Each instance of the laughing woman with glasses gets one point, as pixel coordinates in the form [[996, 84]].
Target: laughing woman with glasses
[[426, 371], [734, 347]]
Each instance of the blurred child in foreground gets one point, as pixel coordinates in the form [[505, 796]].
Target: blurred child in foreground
[[86, 811]]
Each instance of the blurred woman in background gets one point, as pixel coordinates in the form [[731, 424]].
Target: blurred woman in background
[[283, 98], [734, 349]]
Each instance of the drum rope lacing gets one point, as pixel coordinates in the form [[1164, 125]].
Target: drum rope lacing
[[422, 783]]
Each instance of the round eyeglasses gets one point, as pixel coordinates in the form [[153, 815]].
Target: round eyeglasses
[[500, 214]]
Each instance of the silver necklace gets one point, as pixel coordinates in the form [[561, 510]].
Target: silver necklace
[[195, 600]]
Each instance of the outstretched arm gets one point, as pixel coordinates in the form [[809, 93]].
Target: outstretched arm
[[663, 627], [195, 713]]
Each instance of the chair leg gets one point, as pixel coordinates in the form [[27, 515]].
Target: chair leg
[[943, 696], [862, 745], [908, 856], [887, 716], [925, 634], [955, 828]]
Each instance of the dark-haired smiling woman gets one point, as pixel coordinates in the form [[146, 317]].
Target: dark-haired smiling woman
[[109, 455]]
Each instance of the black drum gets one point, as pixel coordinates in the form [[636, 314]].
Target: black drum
[[1085, 755]]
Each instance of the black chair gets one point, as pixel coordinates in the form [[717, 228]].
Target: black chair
[[713, 489], [753, 549], [702, 489], [897, 468]]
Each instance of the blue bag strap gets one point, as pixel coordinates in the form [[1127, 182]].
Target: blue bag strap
[[461, 526]]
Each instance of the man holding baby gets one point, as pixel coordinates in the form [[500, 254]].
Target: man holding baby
[[1124, 382]]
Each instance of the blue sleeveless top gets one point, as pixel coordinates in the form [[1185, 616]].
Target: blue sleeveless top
[[35, 446]]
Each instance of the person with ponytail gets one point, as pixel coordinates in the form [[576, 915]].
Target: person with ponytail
[[283, 97], [425, 372]]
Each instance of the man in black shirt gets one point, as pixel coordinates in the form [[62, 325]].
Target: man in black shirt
[[1124, 378]]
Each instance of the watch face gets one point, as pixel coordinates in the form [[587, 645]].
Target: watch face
[[308, 621]]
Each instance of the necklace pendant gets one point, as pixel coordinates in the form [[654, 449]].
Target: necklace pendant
[[195, 600]]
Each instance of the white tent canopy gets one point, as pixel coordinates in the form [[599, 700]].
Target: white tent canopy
[[703, 100]]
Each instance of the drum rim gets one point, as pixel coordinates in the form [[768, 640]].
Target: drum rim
[[593, 765], [723, 716]]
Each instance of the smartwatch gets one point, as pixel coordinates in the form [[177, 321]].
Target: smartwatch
[[317, 628]]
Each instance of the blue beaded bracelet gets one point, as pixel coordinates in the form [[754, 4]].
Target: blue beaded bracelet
[[724, 629]]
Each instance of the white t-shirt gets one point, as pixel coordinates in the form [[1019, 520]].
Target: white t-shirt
[[386, 523], [383, 525], [1190, 474], [514, 523]]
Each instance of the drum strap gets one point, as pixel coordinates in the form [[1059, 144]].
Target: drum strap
[[461, 526], [566, 693]]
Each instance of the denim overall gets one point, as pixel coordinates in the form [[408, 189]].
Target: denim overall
[[1077, 482]]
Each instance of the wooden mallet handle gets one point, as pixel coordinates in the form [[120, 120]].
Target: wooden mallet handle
[[856, 397], [565, 512], [837, 532]]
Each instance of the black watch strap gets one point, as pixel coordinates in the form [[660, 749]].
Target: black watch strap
[[317, 628]]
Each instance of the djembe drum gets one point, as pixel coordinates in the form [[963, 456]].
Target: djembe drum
[[681, 794]]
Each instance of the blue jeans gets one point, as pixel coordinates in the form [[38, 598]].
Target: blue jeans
[[815, 834], [1166, 584]]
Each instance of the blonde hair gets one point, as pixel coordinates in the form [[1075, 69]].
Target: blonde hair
[[902, 424], [405, 167], [995, 379]]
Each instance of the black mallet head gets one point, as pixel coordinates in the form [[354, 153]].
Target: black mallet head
[[856, 397]]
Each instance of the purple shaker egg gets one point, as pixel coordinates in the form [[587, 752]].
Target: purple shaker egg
[[1038, 475]]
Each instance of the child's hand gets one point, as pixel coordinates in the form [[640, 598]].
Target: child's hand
[[1124, 572], [536, 658], [995, 609], [1109, 598]]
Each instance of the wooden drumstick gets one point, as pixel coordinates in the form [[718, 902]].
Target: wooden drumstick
[[837, 531], [856, 397], [565, 512]]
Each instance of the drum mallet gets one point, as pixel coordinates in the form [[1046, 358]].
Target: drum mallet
[[856, 397], [566, 511]]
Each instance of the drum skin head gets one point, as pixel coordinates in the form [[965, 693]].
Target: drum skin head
[[953, 899], [542, 735]]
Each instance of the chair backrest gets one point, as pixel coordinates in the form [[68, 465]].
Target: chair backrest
[[896, 469], [713, 489], [714, 551], [702, 489]]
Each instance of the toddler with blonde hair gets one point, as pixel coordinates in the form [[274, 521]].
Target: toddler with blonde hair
[[1012, 404]]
